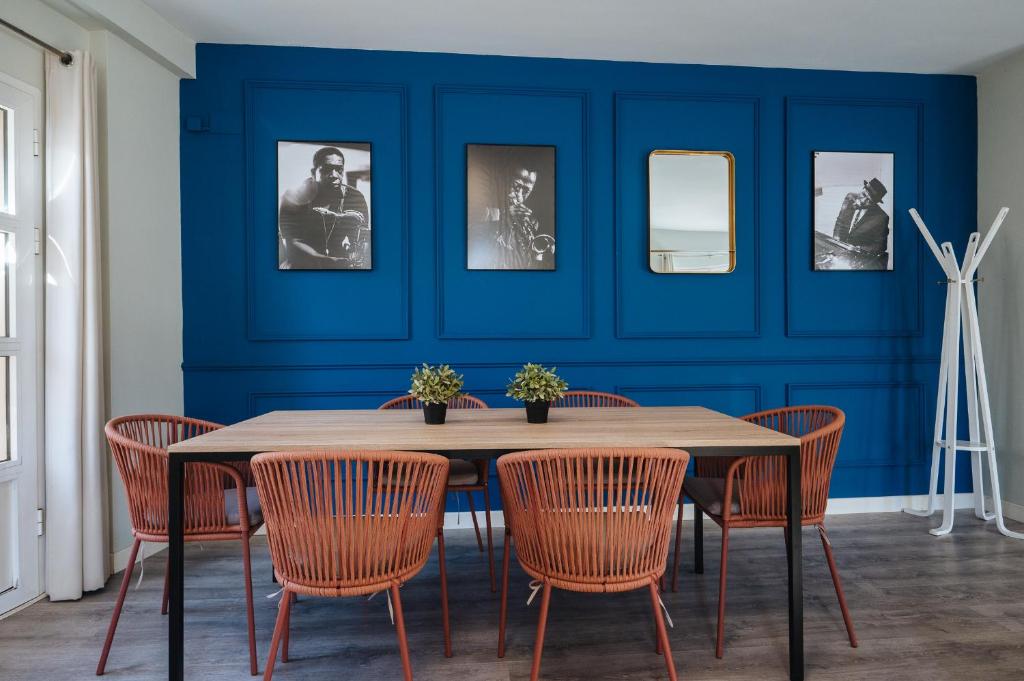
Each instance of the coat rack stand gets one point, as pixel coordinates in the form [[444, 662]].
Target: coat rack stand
[[962, 319]]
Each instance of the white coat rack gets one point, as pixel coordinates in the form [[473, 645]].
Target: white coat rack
[[962, 318]]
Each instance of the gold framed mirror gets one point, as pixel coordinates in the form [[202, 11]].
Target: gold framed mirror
[[691, 212]]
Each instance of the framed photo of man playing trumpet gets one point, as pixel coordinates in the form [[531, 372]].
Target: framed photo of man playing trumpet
[[853, 210], [324, 220], [510, 207]]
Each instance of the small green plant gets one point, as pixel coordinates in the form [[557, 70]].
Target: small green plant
[[435, 385], [534, 383]]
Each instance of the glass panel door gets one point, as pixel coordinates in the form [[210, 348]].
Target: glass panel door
[[20, 306]]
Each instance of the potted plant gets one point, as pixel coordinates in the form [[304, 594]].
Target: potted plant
[[434, 386], [536, 387]]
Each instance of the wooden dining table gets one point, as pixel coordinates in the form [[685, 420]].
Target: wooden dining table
[[477, 434]]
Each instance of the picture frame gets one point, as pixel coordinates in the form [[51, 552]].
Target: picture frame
[[853, 210], [324, 205], [511, 207]]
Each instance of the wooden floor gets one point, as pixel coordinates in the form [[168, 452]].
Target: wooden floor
[[925, 608]]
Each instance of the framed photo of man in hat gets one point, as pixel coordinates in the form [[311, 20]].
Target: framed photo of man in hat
[[853, 210]]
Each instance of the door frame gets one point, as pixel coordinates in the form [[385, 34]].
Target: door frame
[[26, 315]]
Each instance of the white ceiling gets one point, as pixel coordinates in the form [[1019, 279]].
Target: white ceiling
[[919, 36]]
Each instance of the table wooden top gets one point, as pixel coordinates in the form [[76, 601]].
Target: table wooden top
[[486, 430]]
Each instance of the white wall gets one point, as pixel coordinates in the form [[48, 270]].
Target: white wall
[[1001, 296], [142, 241], [140, 215]]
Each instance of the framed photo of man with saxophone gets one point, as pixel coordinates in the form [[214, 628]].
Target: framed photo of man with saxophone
[[324, 220], [510, 207], [853, 210]]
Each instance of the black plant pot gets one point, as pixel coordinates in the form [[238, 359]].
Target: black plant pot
[[537, 412], [434, 413]]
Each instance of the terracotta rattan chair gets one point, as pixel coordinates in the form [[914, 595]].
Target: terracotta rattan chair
[[756, 488], [219, 504], [465, 476], [575, 527], [591, 398], [348, 524]]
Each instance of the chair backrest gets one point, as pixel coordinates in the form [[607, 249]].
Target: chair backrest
[[139, 444], [346, 523], [762, 483], [411, 402], [592, 398], [592, 519]]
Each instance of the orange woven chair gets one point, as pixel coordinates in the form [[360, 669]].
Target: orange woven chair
[[348, 524], [591, 398], [577, 527], [464, 476], [220, 502], [756, 488]]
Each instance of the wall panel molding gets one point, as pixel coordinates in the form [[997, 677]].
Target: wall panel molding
[[251, 87], [442, 219], [752, 389], [916, 329], [720, 361], [754, 102], [916, 450]]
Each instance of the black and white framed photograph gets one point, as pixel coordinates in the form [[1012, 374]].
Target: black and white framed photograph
[[323, 219], [853, 210], [510, 207]]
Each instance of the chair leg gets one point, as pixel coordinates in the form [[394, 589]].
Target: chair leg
[[403, 644], [503, 610], [167, 587], [275, 641], [125, 581], [287, 635], [446, 625], [490, 540], [679, 541], [720, 639], [698, 540], [542, 623], [659, 623], [827, 545], [250, 616], [476, 525]]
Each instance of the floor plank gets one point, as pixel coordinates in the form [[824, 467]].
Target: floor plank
[[924, 607]]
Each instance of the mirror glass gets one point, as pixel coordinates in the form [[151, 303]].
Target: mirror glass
[[692, 224]]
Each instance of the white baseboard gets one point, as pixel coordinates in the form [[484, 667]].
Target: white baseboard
[[462, 520], [1011, 510]]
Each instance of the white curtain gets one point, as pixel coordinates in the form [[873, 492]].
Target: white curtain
[[76, 544]]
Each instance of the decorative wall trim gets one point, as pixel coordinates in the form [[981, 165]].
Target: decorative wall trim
[[917, 388], [918, 106], [250, 204], [583, 96], [383, 395], [711, 361], [753, 388], [755, 103]]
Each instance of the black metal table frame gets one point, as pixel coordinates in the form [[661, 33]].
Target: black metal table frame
[[176, 547]]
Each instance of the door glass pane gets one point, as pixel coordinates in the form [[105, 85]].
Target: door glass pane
[[6, 260], [5, 409], [5, 169], [8, 536]]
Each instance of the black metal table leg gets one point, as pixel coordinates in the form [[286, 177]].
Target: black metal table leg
[[176, 560], [698, 540], [795, 558]]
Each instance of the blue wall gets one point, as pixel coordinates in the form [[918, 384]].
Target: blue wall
[[772, 333]]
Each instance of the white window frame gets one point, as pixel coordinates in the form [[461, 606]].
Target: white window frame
[[24, 342]]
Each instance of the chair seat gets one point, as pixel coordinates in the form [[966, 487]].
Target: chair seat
[[252, 500], [709, 493], [462, 473]]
